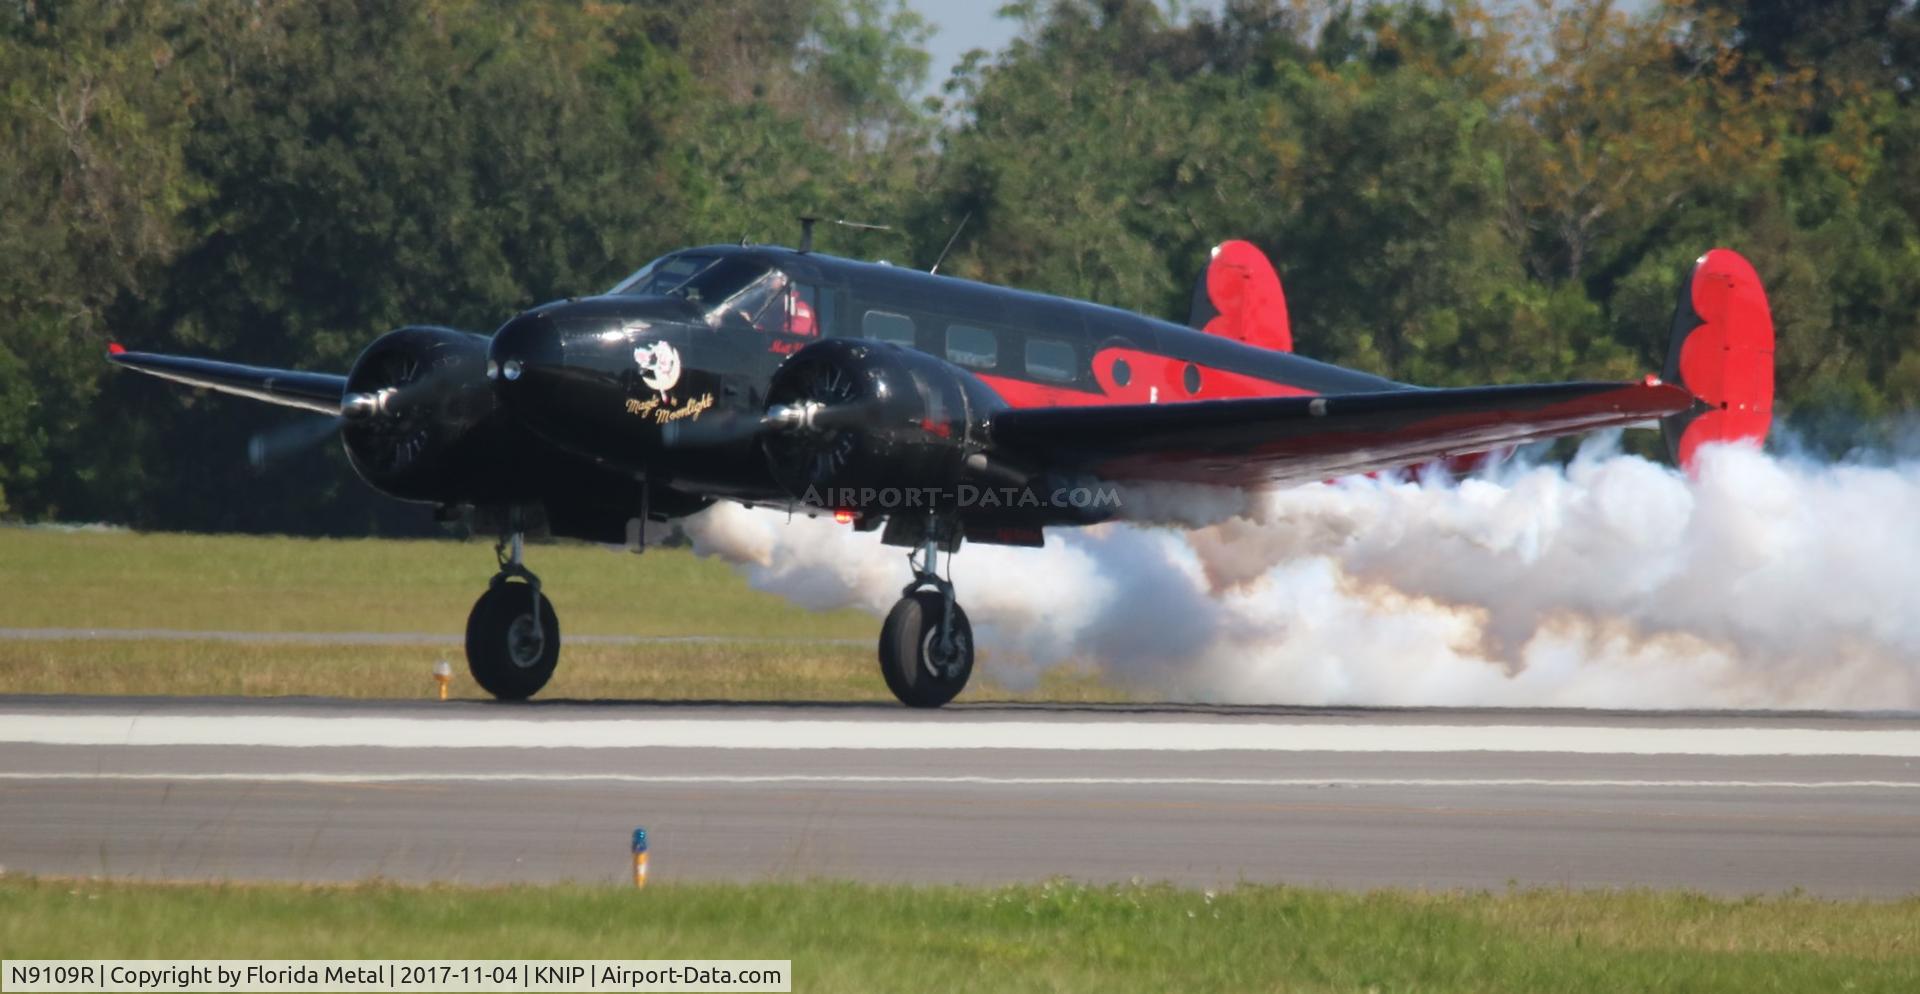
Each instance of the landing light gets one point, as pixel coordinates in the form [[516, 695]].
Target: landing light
[[843, 517], [511, 370], [493, 370]]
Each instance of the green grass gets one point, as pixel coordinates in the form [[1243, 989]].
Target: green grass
[[1041, 937], [731, 671], [110, 579]]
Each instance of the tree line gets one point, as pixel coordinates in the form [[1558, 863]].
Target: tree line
[[1454, 192]]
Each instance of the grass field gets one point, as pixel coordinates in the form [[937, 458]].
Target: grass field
[[113, 579], [730, 671], [1041, 937], [109, 579]]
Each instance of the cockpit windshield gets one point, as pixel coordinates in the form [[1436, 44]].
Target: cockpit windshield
[[696, 277], [729, 290], [704, 280], [641, 276]]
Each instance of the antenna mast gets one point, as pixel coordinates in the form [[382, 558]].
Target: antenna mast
[[962, 226]]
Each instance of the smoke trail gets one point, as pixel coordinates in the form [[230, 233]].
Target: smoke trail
[[1769, 582]]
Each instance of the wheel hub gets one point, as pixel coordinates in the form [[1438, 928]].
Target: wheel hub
[[525, 642], [941, 657]]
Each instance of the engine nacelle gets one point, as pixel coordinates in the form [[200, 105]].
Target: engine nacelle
[[874, 418], [422, 422]]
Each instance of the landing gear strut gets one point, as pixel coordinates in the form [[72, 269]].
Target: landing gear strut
[[513, 636], [926, 644]]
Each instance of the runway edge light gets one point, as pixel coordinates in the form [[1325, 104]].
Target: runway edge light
[[639, 857], [442, 675]]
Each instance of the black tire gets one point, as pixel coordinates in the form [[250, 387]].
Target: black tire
[[502, 654], [906, 643]]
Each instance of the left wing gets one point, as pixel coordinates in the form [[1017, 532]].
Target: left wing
[[287, 387], [1288, 440]]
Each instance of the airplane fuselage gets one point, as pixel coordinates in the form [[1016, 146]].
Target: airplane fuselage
[[623, 378]]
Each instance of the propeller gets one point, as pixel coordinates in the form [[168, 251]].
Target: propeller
[[732, 427], [275, 444], [716, 430], [278, 443], [814, 423], [817, 401]]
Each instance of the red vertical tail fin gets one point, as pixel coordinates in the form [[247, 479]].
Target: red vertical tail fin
[[1238, 297], [1721, 352]]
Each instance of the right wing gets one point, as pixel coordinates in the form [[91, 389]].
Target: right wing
[[1278, 441], [319, 392]]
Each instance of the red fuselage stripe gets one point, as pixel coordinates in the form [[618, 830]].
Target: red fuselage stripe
[[1130, 376]]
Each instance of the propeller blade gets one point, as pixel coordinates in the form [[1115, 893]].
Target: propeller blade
[[275, 444], [730, 428], [717, 429], [818, 417], [846, 416]]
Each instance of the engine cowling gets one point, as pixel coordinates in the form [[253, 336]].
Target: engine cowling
[[866, 419], [422, 422]]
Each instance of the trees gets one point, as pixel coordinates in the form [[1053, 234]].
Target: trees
[[95, 178], [1099, 155], [1389, 191]]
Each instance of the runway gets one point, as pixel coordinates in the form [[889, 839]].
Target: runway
[[1351, 798]]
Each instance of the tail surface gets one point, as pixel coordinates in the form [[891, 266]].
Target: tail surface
[[1722, 353], [1238, 297]]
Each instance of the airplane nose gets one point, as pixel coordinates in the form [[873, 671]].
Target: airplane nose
[[527, 343]]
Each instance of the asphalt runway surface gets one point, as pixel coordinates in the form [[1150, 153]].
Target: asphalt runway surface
[[315, 790]]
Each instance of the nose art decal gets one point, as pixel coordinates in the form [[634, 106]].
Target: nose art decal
[[659, 365], [660, 370]]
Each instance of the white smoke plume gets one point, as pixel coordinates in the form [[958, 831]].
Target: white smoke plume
[[1768, 582]]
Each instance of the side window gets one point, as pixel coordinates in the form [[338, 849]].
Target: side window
[[888, 327], [970, 346], [1051, 360]]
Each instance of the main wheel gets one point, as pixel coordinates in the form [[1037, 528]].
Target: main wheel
[[921, 669], [510, 657]]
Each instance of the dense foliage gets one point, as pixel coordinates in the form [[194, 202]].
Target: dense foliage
[[1454, 192]]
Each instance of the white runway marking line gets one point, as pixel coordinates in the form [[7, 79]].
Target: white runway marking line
[[1058, 736], [726, 779]]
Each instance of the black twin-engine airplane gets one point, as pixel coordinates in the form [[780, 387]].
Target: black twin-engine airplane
[[886, 396]]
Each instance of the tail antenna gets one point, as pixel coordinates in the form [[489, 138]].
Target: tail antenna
[[957, 229], [806, 233]]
